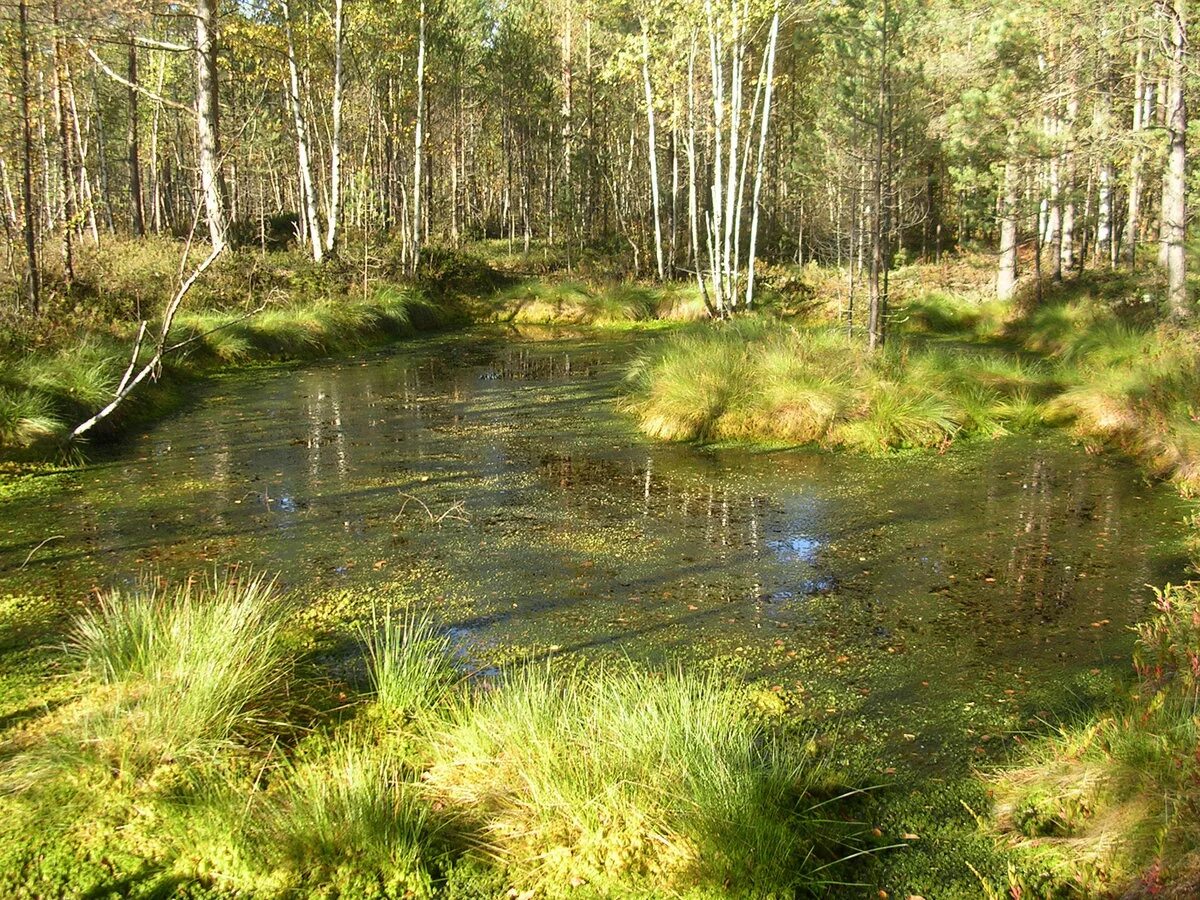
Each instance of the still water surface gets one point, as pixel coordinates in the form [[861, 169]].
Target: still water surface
[[913, 596]]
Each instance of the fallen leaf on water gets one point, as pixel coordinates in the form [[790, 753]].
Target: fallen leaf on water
[[910, 837]]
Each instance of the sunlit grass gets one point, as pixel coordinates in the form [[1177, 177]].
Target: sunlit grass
[[629, 780], [188, 670], [761, 380], [1115, 797], [350, 813], [409, 665], [26, 418]]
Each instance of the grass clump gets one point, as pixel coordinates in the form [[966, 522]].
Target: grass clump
[[1117, 798], [26, 418], [351, 815], [184, 762], [625, 782], [189, 670], [409, 665], [603, 303], [760, 380]]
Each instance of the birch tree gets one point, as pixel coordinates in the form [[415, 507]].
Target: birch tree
[[1174, 194]]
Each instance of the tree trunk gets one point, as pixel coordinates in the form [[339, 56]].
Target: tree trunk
[[1175, 177], [876, 314], [762, 149], [1135, 163], [137, 212], [1006, 279], [208, 121], [65, 152], [652, 149], [418, 143], [311, 221], [335, 143], [693, 211], [33, 278]]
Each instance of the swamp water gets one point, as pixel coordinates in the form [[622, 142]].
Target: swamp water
[[927, 604]]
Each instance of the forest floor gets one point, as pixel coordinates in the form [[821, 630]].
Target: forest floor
[[169, 750]]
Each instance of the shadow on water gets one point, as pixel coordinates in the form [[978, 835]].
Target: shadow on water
[[897, 589]]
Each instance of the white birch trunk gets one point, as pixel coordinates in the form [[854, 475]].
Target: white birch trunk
[[652, 148]]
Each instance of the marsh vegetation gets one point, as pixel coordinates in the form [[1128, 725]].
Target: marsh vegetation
[[528, 449]]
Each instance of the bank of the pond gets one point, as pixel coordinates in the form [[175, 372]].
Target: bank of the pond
[[193, 743], [44, 393]]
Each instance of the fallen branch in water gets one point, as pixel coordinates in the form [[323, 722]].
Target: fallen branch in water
[[456, 511], [153, 366], [53, 537]]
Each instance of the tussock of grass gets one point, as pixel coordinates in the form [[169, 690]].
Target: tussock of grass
[[1115, 799], [179, 758], [189, 670], [26, 418], [939, 313], [409, 665], [538, 302], [636, 781], [353, 815], [758, 380]]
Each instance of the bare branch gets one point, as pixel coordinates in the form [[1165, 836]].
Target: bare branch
[[137, 87]]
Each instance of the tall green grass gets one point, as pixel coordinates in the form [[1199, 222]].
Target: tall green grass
[[190, 670], [353, 816], [535, 301], [409, 665], [760, 380], [47, 388], [26, 418], [627, 782], [184, 751]]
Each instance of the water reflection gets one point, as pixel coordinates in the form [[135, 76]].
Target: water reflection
[[577, 534]]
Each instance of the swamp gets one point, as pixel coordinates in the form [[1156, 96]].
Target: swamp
[[543, 449]]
